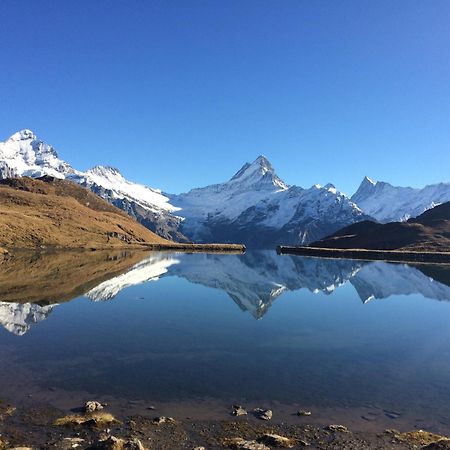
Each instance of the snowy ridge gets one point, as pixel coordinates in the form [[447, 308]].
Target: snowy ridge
[[111, 179], [388, 203]]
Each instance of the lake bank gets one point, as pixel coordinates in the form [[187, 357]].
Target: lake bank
[[369, 255]]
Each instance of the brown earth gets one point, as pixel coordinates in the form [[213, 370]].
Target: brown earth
[[49, 212]]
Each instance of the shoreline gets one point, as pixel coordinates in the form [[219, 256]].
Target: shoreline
[[163, 426], [369, 255]]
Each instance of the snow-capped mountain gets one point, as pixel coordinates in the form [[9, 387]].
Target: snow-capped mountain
[[23, 154], [387, 203], [256, 207]]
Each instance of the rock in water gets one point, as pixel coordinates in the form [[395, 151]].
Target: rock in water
[[263, 414], [163, 419], [238, 411], [92, 406]]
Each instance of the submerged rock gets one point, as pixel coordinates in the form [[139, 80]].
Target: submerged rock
[[276, 440], [163, 419], [238, 411], [92, 406], [303, 412], [263, 414], [339, 428]]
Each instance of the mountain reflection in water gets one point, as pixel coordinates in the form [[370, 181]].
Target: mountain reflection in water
[[31, 286]]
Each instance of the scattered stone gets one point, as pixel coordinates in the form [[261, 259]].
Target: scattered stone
[[239, 411], [163, 419], [303, 412], [391, 414], [92, 406], [339, 428], [113, 443], [199, 448], [151, 407], [276, 440], [243, 444], [263, 414], [71, 442]]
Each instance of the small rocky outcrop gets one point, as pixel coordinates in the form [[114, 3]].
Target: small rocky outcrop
[[238, 411], [263, 414], [162, 419], [92, 406]]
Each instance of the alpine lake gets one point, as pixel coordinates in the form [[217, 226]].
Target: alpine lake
[[359, 343]]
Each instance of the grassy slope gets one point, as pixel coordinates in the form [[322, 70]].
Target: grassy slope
[[58, 213]]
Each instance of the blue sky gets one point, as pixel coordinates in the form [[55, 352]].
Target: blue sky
[[180, 94]]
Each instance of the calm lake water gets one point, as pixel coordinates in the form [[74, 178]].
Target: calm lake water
[[252, 329]]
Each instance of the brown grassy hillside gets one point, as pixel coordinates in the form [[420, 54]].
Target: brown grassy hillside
[[48, 212], [428, 232]]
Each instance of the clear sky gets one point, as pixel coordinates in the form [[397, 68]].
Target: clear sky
[[178, 94]]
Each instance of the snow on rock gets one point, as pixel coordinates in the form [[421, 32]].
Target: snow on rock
[[388, 203], [25, 155]]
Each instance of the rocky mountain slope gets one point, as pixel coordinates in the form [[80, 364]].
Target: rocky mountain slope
[[24, 154], [428, 232], [387, 203], [50, 212], [254, 207]]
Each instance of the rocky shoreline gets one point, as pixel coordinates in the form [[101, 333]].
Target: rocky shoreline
[[93, 426]]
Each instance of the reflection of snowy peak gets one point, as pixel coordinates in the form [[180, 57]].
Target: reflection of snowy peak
[[150, 269], [256, 279], [388, 203], [378, 280], [18, 318]]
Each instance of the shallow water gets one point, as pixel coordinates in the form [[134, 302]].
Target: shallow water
[[254, 329]]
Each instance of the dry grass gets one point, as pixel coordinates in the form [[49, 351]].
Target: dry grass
[[98, 418], [60, 214]]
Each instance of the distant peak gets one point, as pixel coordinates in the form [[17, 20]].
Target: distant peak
[[259, 169], [23, 135], [368, 180], [330, 186]]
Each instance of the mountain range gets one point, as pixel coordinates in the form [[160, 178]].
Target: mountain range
[[253, 281], [255, 207]]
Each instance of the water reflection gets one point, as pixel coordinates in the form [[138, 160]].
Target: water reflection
[[31, 286]]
